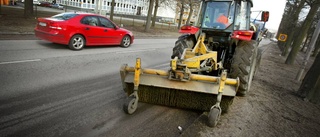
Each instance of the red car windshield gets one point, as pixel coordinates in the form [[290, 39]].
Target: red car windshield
[[65, 16]]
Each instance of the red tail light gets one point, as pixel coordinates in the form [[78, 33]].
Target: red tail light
[[54, 25], [186, 27], [242, 35]]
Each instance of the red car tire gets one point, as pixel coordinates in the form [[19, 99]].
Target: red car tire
[[77, 42], [126, 41]]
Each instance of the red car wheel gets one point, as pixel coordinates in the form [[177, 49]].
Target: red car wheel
[[77, 42], [126, 41]]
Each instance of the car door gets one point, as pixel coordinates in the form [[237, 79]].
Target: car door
[[111, 36], [94, 34]]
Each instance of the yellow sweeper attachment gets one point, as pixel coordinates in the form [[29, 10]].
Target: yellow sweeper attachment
[[179, 86]]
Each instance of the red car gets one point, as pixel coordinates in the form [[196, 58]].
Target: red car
[[44, 4], [82, 29]]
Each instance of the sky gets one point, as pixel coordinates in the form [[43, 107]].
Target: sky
[[275, 8]]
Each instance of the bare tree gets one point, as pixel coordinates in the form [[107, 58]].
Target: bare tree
[[148, 24], [28, 8], [181, 7], [112, 9], [317, 48], [303, 31], [192, 4], [310, 87], [156, 6], [290, 22]]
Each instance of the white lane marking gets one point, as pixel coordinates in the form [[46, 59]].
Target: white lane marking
[[139, 50], [19, 61]]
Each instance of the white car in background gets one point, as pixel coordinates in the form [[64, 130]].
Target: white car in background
[[57, 6], [36, 2]]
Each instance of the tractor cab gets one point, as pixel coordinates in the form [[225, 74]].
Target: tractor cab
[[225, 19], [224, 15], [217, 15]]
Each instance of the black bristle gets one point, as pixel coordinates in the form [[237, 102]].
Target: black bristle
[[179, 98]]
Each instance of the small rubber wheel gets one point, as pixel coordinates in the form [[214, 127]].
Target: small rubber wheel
[[130, 106], [213, 117], [126, 41], [77, 42]]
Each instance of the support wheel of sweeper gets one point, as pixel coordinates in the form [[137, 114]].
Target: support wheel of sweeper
[[130, 105], [213, 117]]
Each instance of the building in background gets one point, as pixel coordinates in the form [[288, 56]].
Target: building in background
[[128, 7]]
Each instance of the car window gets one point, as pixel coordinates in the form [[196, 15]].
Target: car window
[[64, 16], [90, 20], [106, 23]]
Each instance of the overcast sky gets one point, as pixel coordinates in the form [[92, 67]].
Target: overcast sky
[[275, 8]]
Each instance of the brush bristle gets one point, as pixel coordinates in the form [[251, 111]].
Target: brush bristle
[[179, 98]]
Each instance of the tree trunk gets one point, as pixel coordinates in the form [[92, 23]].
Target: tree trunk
[[156, 6], [284, 24], [0, 9], [28, 8], [303, 31], [307, 41], [181, 13], [190, 12], [310, 87], [148, 24], [317, 47], [303, 49], [291, 33], [112, 9]]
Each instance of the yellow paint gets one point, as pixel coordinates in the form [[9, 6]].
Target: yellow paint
[[137, 73], [222, 81]]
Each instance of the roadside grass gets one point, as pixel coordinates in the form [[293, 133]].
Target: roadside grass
[[12, 19]]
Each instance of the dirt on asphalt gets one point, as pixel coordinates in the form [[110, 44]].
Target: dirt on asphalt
[[271, 108]]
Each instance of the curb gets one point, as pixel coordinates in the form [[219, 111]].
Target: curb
[[16, 33], [136, 36]]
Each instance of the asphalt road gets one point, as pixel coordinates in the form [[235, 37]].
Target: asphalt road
[[48, 90]]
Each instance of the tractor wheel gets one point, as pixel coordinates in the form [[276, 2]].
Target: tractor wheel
[[244, 65], [185, 41]]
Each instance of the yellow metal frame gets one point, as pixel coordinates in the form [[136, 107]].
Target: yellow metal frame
[[192, 58], [137, 72], [196, 77]]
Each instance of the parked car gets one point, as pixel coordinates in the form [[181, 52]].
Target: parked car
[[44, 4], [36, 2], [78, 30], [57, 6]]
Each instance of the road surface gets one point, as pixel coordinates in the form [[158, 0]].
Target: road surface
[[49, 90]]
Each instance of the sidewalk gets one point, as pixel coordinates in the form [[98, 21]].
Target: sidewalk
[[12, 22]]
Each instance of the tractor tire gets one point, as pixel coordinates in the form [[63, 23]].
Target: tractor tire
[[243, 65], [183, 42]]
